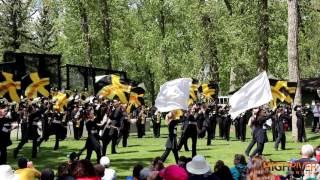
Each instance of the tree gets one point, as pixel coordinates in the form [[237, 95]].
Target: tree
[[263, 35], [106, 31], [14, 18], [293, 58], [45, 34], [86, 33]]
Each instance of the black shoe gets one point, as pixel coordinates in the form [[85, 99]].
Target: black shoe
[[114, 152]]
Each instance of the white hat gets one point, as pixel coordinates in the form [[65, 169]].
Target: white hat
[[6, 172], [307, 149], [104, 161], [198, 165]]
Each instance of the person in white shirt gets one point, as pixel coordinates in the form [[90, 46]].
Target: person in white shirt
[[316, 116], [109, 174]]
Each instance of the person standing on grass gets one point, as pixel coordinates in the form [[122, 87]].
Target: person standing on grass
[[171, 144], [259, 136], [316, 116]]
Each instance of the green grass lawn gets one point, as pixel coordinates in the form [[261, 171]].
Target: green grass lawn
[[144, 150]]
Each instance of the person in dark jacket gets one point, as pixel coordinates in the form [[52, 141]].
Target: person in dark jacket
[[33, 119], [280, 118], [258, 132], [5, 131], [171, 144], [189, 131], [92, 142], [300, 124]]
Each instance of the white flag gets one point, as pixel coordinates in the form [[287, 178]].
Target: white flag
[[174, 95], [255, 93]]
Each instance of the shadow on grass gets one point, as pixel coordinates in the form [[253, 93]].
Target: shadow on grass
[[314, 138]]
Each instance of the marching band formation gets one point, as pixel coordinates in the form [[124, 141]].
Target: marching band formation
[[107, 121]]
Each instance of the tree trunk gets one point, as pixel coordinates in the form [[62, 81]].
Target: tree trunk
[[86, 34], [293, 61], [106, 31], [263, 35], [210, 45], [164, 51]]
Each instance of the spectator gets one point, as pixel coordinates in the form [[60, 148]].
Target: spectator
[[258, 171], [84, 170], [73, 157], [222, 171], [157, 164], [144, 174], [136, 171], [317, 153], [109, 174], [173, 172], [25, 172], [6, 173], [47, 174], [199, 168], [306, 167], [182, 162], [239, 171], [64, 172], [99, 170]]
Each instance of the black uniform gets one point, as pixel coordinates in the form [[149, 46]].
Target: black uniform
[[171, 144], [33, 134], [226, 124], [259, 136], [236, 123], [92, 142], [125, 130], [78, 123], [156, 124], [57, 128], [279, 126], [141, 121], [5, 130], [115, 117], [189, 131], [243, 125], [301, 129]]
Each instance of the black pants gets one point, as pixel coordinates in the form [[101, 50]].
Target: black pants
[[301, 133], [243, 130], [250, 146], [274, 132], [221, 128], [209, 136], [281, 139], [167, 152], [78, 130], [156, 130], [140, 129], [237, 129], [92, 144], [125, 136], [227, 130], [46, 137], [214, 125], [3, 154], [184, 139], [315, 123], [258, 150], [113, 138], [22, 143]]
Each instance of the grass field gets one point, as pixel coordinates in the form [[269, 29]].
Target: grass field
[[144, 150]]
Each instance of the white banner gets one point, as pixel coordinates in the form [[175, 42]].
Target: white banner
[[255, 93], [174, 95]]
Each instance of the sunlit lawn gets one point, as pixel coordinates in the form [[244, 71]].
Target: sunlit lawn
[[144, 150]]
